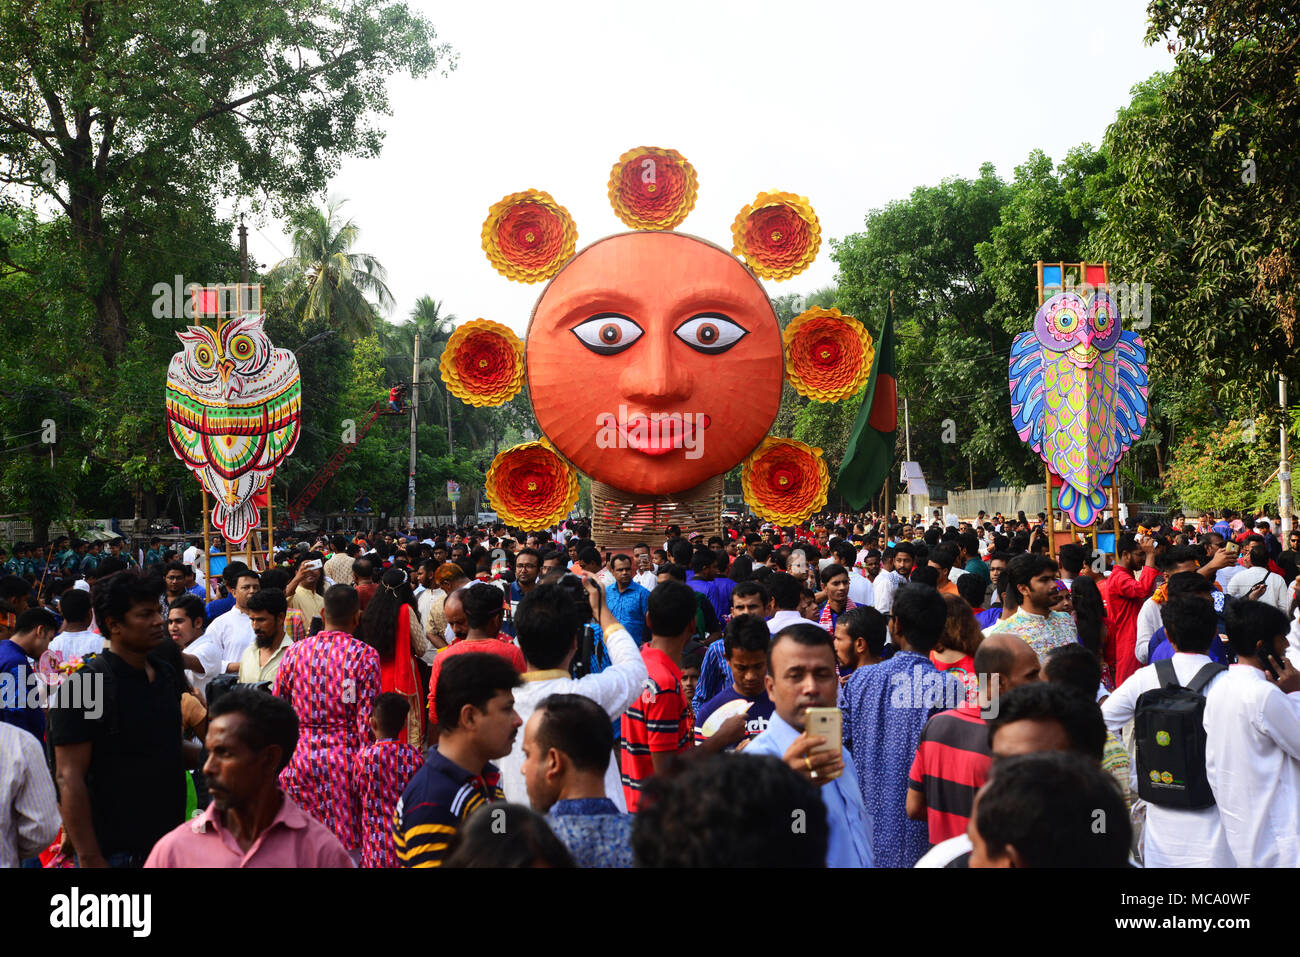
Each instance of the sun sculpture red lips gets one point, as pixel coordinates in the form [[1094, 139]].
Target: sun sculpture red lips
[[778, 235], [828, 355], [483, 363], [785, 481], [652, 188], [528, 236], [531, 487]]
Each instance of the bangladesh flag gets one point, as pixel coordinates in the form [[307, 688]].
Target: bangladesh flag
[[869, 458]]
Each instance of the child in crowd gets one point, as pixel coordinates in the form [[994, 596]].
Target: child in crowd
[[383, 770]]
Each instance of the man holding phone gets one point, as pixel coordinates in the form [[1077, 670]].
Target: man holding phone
[[803, 682], [1252, 741]]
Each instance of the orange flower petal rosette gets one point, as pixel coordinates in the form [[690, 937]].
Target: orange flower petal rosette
[[828, 355], [483, 363], [777, 234], [530, 487], [785, 481], [528, 236], [652, 188]]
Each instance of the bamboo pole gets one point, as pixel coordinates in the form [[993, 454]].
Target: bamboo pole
[[207, 545]]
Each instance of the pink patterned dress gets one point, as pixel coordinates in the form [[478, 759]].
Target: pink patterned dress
[[331, 680], [383, 770]]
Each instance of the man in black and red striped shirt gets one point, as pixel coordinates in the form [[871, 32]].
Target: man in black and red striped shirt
[[659, 725], [953, 757]]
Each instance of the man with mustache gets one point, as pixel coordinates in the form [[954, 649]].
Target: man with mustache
[[251, 822]]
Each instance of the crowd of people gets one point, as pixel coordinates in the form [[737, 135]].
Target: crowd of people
[[862, 691]]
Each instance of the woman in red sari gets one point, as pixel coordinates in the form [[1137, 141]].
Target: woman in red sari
[[391, 625]]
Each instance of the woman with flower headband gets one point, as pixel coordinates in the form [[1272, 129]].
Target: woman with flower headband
[[391, 625]]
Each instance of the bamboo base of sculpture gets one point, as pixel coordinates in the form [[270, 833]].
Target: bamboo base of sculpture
[[622, 519]]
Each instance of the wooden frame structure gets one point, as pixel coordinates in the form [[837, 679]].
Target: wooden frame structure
[[1069, 534]]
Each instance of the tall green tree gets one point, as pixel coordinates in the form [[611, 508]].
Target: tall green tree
[[1205, 202], [118, 115], [949, 351]]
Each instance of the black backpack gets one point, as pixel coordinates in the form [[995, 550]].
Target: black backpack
[[1170, 736]]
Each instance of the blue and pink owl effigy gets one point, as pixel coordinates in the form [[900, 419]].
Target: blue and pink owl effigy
[[1079, 395]]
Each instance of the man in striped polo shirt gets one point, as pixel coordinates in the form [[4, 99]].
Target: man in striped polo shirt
[[479, 723], [952, 760], [659, 724]]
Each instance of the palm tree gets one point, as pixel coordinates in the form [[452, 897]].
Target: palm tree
[[434, 329], [324, 279]]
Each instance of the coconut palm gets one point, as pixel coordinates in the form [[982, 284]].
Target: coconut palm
[[324, 279], [434, 329]]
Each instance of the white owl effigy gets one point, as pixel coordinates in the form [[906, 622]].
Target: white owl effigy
[[1079, 395], [233, 415]]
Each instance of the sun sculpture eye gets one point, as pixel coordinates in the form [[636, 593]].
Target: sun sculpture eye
[[608, 333], [710, 333]]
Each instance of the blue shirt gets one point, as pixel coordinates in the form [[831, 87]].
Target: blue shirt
[[885, 708], [596, 832], [219, 606], [629, 607], [1161, 648], [760, 711], [848, 820], [715, 674], [988, 616], [16, 678]]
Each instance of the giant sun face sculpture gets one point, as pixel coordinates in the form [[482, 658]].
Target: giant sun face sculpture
[[654, 360], [679, 355]]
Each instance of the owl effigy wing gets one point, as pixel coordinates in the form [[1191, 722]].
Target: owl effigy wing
[[1131, 389], [1026, 381]]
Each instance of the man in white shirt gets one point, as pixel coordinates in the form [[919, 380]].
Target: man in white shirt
[[645, 567], [1252, 746], [76, 640], [186, 621], [547, 625], [860, 590], [1177, 559], [785, 591], [1175, 837], [194, 558], [891, 576], [233, 632], [1256, 573]]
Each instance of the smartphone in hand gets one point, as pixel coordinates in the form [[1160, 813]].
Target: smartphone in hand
[[825, 723], [1270, 660]]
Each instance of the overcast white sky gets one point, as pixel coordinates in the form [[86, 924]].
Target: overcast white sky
[[850, 104]]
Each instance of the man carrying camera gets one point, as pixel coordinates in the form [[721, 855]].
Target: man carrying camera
[[549, 624]]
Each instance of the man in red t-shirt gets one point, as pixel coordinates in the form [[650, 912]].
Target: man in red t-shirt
[[659, 724], [1124, 596], [481, 606], [953, 756]]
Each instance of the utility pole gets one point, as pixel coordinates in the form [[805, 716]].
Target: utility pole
[[1284, 468], [415, 406], [243, 251], [245, 300], [451, 448]]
